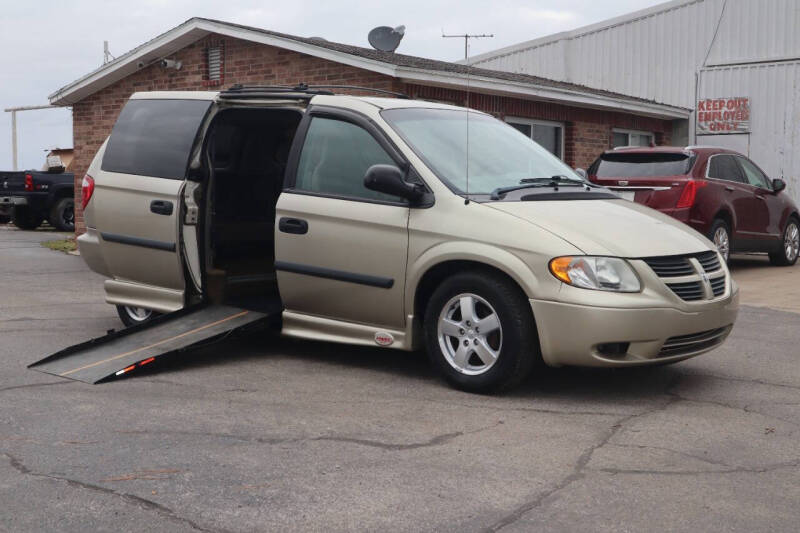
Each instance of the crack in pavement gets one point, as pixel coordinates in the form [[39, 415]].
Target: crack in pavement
[[745, 409], [241, 438], [579, 468], [132, 499], [435, 441], [737, 470]]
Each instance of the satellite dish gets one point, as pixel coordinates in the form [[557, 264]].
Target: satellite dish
[[386, 38]]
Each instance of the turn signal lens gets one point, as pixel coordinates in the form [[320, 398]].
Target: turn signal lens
[[87, 189], [598, 273], [689, 193]]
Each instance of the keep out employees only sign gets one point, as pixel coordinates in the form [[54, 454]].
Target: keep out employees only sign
[[723, 115]]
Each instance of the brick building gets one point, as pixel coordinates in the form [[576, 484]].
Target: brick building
[[574, 122]]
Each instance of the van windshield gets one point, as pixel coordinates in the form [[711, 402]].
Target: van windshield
[[492, 153], [640, 165]]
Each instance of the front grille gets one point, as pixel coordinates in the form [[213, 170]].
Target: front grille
[[671, 266], [718, 286], [709, 261], [685, 275], [689, 291], [685, 344]]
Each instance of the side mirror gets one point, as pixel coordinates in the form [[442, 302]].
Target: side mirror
[[778, 185], [388, 179], [582, 173]]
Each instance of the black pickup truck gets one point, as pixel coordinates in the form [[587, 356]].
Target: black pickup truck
[[29, 197]]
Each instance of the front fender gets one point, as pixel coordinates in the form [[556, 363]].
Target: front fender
[[487, 254]]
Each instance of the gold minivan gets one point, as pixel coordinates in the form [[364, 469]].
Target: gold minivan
[[394, 223]]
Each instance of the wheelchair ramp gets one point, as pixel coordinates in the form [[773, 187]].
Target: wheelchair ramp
[[124, 350]]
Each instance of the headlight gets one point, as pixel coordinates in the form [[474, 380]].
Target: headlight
[[599, 273]]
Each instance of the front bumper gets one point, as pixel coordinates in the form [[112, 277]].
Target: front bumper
[[580, 335]]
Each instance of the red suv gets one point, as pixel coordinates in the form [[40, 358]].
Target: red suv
[[718, 192]]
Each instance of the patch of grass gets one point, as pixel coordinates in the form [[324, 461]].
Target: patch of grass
[[62, 245]]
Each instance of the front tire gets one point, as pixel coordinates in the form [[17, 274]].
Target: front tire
[[790, 245], [133, 316], [24, 218], [62, 215], [720, 235], [480, 333]]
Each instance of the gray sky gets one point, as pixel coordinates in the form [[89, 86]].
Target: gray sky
[[45, 45]]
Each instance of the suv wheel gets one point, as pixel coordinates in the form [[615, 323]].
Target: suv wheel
[[133, 316], [480, 333], [720, 235], [24, 218], [790, 248], [62, 216]]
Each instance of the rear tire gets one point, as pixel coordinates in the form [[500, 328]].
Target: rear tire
[[720, 235], [62, 215], [498, 358], [133, 316], [26, 219], [790, 245], [5, 219]]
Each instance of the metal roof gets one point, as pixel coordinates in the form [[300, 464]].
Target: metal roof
[[410, 69]]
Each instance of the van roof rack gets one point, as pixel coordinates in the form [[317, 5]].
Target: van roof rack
[[300, 90]]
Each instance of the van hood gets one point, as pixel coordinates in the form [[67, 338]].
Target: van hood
[[610, 227]]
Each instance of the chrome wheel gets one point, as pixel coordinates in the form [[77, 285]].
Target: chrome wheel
[[791, 242], [722, 242], [138, 314], [470, 334]]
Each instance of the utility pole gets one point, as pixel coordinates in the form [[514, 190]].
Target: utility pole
[[13, 111], [467, 37], [107, 55]]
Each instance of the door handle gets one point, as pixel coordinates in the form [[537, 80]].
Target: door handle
[[760, 197], [293, 225], [161, 207], [729, 188]]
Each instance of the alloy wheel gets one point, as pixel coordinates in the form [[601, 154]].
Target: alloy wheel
[[138, 314], [791, 242], [722, 242], [470, 334]]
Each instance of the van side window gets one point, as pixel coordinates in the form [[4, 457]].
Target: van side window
[[335, 157], [154, 137], [724, 167]]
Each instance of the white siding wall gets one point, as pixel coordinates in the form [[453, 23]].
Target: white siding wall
[[774, 114], [655, 53]]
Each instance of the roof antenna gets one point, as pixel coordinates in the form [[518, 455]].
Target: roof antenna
[[467, 37], [386, 38], [466, 198]]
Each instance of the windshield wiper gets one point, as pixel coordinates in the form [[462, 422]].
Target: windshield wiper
[[533, 183]]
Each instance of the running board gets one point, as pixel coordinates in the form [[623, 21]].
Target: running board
[[123, 350]]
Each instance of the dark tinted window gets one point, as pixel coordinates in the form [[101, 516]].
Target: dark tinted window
[[753, 174], [621, 165], [335, 158], [154, 137], [724, 167]]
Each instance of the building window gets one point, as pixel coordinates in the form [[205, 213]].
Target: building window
[[215, 64], [550, 135], [632, 138]]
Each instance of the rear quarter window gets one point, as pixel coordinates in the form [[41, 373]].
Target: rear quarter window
[[620, 165], [154, 137]]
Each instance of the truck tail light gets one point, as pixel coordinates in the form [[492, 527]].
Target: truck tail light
[[689, 193], [28, 183], [87, 189]]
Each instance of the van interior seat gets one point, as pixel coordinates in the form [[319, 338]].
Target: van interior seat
[[248, 150]]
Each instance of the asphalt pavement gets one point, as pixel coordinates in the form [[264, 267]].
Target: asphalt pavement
[[262, 433]]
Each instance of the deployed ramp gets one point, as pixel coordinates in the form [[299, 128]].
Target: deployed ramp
[[122, 351]]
